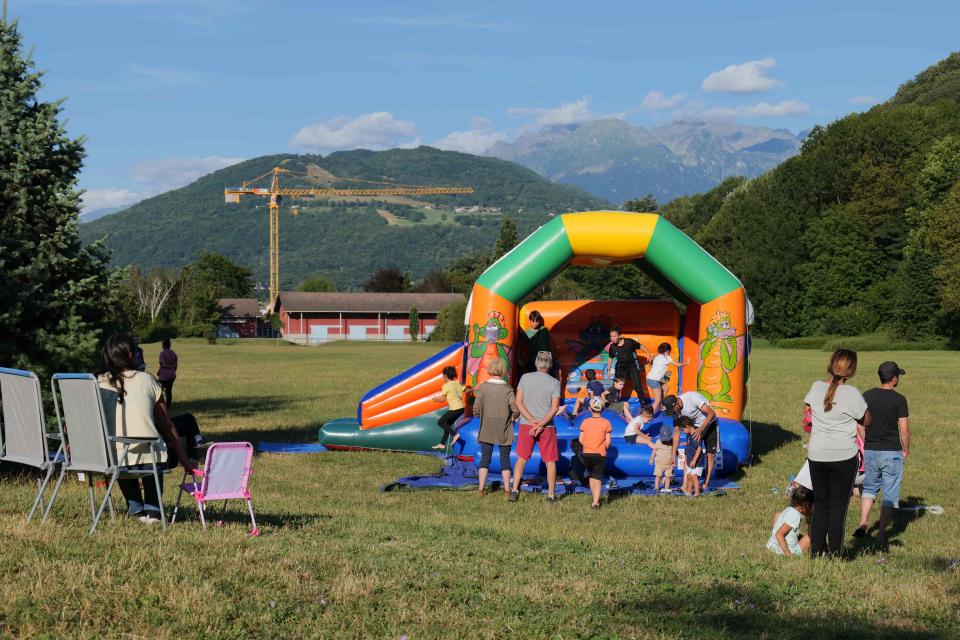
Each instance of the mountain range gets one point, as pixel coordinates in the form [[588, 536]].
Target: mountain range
[[616, 161], [346, 240]]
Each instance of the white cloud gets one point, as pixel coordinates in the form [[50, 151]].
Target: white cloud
[[94, 199], [659, 101], [566, 113], [867, 100], [759, 110], [165, 174], [155, 176], [378, 130], [473, 141], [749, 77]]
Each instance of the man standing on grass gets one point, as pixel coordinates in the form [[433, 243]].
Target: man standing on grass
[[694, 406], [538, 400], [885, 448]]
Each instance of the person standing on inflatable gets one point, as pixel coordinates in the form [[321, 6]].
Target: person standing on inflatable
[[694, 406], [538, 400], [538, 339], [624, 351]]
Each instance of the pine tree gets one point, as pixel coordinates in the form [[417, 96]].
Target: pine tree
[[56, 293], [506, 239]]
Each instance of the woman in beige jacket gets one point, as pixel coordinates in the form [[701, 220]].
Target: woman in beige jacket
[[497, 408]]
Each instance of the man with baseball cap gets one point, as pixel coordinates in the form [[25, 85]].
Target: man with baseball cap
[[885, 447], [697, 408]]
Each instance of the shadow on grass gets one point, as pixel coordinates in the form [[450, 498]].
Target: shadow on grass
[[768, 437], [236, 513], [738, 611], [223, 409], [902, 518]]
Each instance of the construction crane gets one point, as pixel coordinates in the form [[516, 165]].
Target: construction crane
[[276, 193]]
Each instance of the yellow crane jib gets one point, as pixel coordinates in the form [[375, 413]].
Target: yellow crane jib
[[275, 192]]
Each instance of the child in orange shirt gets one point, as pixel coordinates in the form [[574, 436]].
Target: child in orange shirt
[[595, 438]]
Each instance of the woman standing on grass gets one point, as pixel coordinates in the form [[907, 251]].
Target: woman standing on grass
[[838, 413], [497, 408]]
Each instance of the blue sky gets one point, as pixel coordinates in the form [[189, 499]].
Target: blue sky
[[168, 90]]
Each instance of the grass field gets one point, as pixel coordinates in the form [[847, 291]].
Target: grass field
[[339, 559]]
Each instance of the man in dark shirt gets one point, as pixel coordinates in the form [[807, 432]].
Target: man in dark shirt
[[624, 351], [885, 447]]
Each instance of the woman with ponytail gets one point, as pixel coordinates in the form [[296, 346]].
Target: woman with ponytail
[[134, 407], [838, 413]]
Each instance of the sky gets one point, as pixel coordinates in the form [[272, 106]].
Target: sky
[[166, 91]]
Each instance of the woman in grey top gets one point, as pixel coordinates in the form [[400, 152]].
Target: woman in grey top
[[497, 408], [839, 412]]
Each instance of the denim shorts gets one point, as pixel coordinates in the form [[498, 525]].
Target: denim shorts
[[883, 471], [654, 384]]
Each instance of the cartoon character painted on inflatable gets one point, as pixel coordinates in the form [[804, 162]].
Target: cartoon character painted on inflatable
[[487, 345], [719, 355], [589, 352]]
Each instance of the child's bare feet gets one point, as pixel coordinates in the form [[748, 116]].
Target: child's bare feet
[[439, 446]]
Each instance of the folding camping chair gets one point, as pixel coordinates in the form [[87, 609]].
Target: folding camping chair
[[224, 477], [90, 449], [23, 436]]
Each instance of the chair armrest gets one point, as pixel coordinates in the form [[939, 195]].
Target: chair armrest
[[129, 440], [54, 436]]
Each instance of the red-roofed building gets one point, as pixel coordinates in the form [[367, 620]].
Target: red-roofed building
[[313, 318]]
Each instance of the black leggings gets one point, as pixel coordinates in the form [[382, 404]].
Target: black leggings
[[633, 375], [486, 453], [446, 423], [167, 386], [832, 485]]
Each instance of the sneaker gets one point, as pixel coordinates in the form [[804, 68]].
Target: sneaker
[[149, 518], [514, 496], [551, 499], [859, 532]]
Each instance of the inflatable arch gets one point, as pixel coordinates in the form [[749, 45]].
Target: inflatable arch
[[712, 333]]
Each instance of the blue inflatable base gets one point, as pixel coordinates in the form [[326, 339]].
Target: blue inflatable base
[[457, 474]]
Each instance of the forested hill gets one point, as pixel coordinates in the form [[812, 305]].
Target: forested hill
[[345, 240], [861, 230]]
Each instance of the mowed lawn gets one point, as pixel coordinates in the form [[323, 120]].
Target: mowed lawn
[[339, 559]]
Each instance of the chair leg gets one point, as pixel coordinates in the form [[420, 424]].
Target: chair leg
[[93, 502], [106, 498], [38, 502], [156, 480], [203, 519], [53, 497], [110, 503], [256, 530], [176, 507]]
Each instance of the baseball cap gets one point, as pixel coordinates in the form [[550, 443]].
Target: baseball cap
[[670, 405], [666, 433], [596, 403], [889, 370]]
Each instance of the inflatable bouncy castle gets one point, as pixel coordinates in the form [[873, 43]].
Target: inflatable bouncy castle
[[711, 334]]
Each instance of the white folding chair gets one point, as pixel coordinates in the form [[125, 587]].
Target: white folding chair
[[23, 436], [90, 449]]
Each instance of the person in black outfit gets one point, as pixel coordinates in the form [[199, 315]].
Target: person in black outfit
[[624, 350]]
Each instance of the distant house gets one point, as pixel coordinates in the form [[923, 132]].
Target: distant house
[[241, 318], [313, 318]]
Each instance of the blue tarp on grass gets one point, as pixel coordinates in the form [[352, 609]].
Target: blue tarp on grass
[[457, 474]]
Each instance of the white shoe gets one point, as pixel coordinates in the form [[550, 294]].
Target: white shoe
[[149, 519]]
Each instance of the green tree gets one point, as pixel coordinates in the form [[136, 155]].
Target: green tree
[[222, 276], [450, 323], [435, 282], [388, 281], [507, 238], [646, 204], [414, 324], [57, 295], [316, 282]]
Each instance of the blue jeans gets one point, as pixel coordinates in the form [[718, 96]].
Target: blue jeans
[[883, 470]]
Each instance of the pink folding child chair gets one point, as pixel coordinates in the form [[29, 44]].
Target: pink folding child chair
[[224, 477]]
